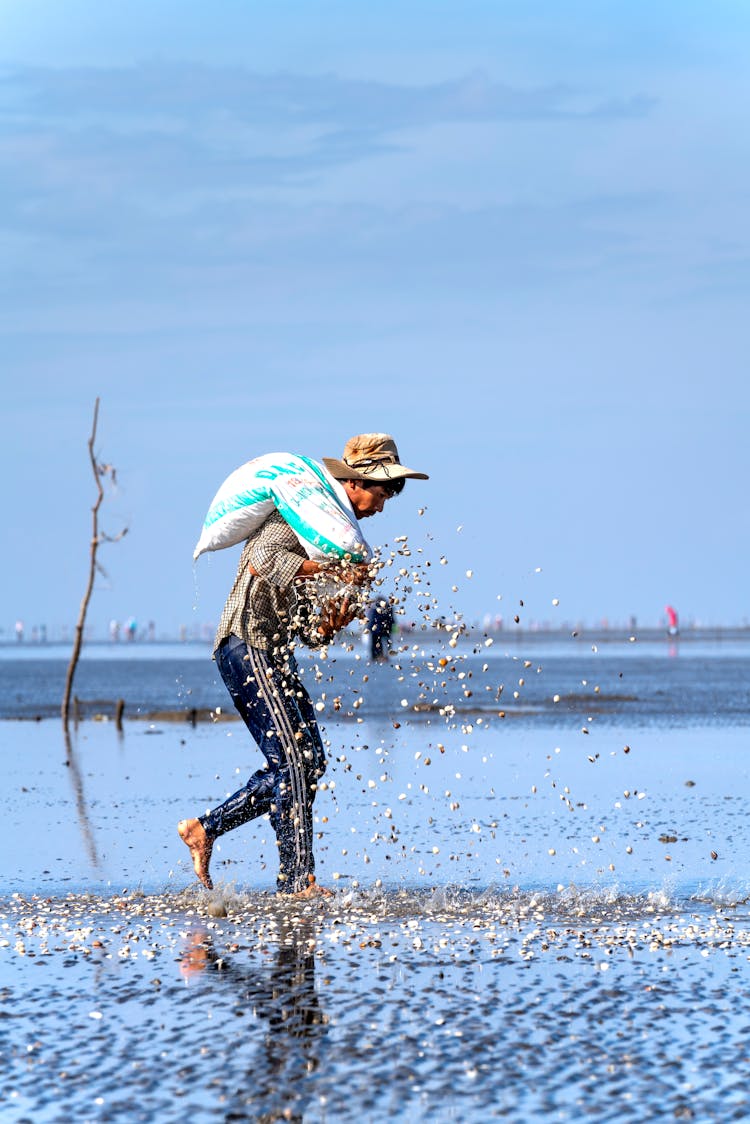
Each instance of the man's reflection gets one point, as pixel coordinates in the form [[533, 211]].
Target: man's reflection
[[283, 995]]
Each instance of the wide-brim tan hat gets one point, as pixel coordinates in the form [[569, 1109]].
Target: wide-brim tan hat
[[373, 457]]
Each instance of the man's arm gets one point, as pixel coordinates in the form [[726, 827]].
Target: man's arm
[[351, 573], [336, 615], [274, 556]]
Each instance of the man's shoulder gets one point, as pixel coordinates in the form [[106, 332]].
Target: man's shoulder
[[274, 528]]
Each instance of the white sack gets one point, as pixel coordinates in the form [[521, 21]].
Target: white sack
[[314, 505]]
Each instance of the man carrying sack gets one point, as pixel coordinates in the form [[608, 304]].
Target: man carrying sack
[[271, 608]]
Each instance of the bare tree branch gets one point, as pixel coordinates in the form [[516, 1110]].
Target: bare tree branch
[[114, 538], [99, 471]]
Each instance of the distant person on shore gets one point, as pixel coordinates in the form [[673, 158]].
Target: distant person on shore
[[380, 627], [270, 608]]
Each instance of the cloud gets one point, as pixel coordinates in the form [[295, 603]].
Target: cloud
[[160, 137], [196, 128], [192, 92], [117, 179]]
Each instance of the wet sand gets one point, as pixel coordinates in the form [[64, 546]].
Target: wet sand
[[408, 1006], [505, 958]]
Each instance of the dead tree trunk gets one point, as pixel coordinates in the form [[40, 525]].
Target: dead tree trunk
[[99, 470]]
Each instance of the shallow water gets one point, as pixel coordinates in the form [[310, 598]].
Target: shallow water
[[422, 805], [547, 683], [542, 916], [378, 1006]]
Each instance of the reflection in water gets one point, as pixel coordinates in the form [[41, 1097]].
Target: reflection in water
[[83, 813], [285, 997]]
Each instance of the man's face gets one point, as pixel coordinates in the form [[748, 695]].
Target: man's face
[[367, 499]]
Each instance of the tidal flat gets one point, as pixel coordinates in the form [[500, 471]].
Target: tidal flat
[[376, 1005], [543, 916]]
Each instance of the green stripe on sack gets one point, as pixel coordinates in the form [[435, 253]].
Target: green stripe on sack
[[327, 485], [235, 503], [319, 473], [306, 530], [301, 527]]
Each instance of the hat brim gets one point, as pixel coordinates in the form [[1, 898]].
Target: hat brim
[[378, 474]]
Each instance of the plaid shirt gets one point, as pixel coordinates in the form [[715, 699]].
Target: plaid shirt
[[270, 610]]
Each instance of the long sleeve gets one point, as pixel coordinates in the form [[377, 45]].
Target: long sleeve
[[268, 610]]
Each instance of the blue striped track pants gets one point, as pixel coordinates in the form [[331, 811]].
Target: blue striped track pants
[[279, 714]]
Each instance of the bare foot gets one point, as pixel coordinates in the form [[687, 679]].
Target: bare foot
[[193, 834], [313, 890]]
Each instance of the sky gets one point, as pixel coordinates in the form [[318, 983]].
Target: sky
[[514, 235]]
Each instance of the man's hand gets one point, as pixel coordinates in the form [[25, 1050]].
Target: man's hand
[[356, 574], [347, 573], [336, 615]]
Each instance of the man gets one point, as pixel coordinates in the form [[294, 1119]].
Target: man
[[270, 608]]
